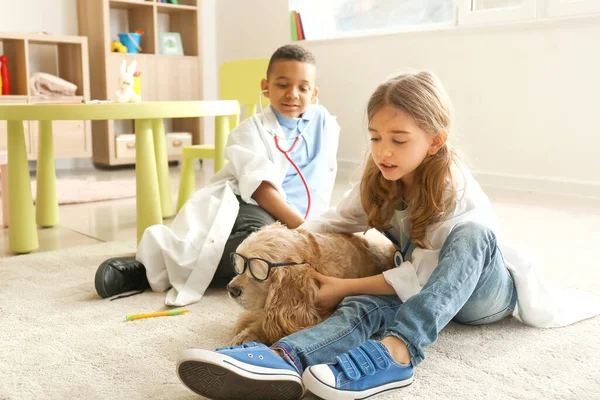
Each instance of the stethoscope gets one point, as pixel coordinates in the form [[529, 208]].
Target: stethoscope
[[287, 152], [399, 255]]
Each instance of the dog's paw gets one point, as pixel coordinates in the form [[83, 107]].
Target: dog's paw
[[245, 337]]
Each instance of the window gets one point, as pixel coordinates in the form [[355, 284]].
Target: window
[[336, 18], [480, 5], [324, 19], [489, 11]]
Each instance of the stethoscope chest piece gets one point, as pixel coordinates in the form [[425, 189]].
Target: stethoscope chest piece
[[398, 258]]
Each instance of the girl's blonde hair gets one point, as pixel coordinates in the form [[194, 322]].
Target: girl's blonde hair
[[421, 96]]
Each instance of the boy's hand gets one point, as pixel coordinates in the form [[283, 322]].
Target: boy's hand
[[271, 201], [331, 291]]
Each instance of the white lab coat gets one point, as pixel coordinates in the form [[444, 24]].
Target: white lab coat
[[185, 256], [540, 303]]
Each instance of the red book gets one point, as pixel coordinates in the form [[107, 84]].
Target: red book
[[298, 26], [301, 26]]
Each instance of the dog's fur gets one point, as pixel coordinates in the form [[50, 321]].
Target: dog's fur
[[285, 302]]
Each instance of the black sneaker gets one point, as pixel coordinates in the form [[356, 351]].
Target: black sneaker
[[119, 275]]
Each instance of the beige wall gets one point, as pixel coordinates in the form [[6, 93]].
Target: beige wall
[[52, 16], [526, 96]]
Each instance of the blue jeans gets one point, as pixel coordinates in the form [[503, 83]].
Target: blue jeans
[[470, 285]]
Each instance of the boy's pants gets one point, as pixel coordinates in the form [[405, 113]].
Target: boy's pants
[[250, 219]]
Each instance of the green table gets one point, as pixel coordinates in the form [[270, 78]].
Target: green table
[[153, 192]]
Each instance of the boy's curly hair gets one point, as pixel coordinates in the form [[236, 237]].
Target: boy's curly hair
[[291, 52]]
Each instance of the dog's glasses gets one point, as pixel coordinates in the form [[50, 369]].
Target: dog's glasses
[[259, 269]]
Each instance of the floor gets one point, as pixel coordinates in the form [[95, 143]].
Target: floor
[[90, 223]]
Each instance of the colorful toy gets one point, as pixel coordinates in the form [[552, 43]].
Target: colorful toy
[[126, 94], [118, 47], [170, 313], [5, 75], [137, 83], [131, 40]]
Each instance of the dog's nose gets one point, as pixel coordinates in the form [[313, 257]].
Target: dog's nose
[[234, 291]]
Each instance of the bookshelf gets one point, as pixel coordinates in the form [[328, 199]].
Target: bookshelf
[[163, 77], [63, 56]]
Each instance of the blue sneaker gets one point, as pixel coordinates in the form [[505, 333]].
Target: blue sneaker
[[363, 372], [250, 371]]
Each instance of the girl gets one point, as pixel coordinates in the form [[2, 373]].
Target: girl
[[450, 267]]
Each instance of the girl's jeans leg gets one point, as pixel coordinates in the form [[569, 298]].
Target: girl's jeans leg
[[355, 320], [470, 284]]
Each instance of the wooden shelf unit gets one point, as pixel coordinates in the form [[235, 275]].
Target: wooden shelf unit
[[63, 56], [163, 77]]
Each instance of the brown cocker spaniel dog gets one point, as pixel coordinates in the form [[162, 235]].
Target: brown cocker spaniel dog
[[285, 302]]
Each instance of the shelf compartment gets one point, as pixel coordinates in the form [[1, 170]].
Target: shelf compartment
[[69, 137], [16, 51], [3, 125], [130, 4], [130, 19], [174, 142], [169, 8], [58, 59], [193, 3], [185, 22], [51, 100]]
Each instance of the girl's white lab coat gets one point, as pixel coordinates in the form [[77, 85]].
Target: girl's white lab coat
[[185, 256], [540, 303]]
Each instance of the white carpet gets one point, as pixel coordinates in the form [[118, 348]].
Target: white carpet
[[59, 340]]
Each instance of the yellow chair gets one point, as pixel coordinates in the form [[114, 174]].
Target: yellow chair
[[238, 80]]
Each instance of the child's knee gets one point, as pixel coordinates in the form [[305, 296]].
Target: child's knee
[[472, 231]]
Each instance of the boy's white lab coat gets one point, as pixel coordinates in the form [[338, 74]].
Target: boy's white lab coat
[[185, 256], [540, 303]]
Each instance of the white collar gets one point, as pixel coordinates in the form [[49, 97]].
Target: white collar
[[270, 123]]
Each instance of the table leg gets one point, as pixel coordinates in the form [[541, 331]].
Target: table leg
[[221, 133], [4, 190], [162, 167], [22, 232], [46, 207], [147, 201]]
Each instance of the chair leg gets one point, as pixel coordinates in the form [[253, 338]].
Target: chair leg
[[221, 133], [187, 181]]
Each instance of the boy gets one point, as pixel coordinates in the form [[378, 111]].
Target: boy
[[257, 187]]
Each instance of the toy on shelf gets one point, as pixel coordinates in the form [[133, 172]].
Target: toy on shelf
[[118, 47], [132, 40], [5, 75], [137, 83], [126, 94]]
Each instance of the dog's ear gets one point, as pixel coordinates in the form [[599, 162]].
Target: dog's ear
[[290, 305]]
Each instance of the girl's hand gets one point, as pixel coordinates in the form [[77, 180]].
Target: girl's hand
[[331, 291]]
